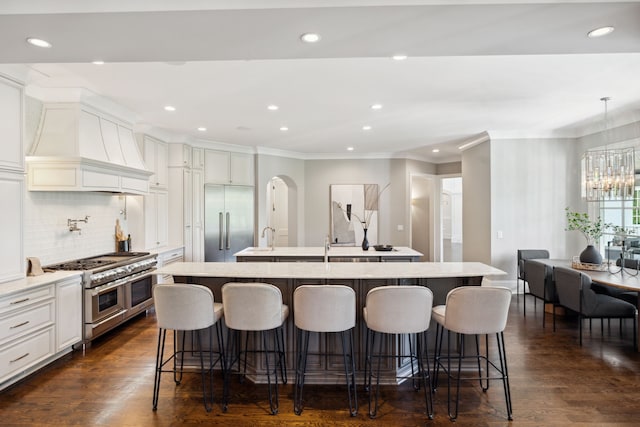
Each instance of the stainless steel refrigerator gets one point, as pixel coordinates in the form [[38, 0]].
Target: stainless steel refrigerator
[[228, 221]]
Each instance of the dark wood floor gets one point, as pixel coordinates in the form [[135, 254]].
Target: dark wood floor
[[553, 382]]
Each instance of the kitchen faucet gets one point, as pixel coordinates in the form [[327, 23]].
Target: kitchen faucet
[[273, 230], [73, 224]]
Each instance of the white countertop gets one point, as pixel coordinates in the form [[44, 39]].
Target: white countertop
[[335, 251], [336, 270], [29, 282]]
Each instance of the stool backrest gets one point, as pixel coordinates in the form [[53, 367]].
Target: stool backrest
[[252, 306], [477, 309], [398, 309], [324, 308], [183, 307]]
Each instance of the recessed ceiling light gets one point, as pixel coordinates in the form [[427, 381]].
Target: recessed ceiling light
[[399, 57], [38, 42], [435, 150], [98, 62], [349, 148], [272, 107], [202, 129], [599, 32], [310, 37], [169, 108], [284, 128], [366, 127], [376, 107]]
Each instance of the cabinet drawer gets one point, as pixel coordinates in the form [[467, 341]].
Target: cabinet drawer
[[18, 324], [26, 353], [26, 298]]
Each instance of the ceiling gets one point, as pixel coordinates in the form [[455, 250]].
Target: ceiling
[[512, 69]]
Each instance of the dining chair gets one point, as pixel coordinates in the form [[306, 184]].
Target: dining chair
[[523, 255], [539, 276], [575, 293]]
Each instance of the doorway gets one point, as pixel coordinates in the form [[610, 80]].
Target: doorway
[[451, 219], [281, 204]]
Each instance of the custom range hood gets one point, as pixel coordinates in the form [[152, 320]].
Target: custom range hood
[[80, 148]]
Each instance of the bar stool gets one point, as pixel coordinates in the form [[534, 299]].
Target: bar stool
[[184, 308], [473, 310], [398, 310], [255, 307], [325, 309]]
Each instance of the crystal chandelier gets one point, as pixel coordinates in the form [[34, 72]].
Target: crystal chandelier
[[608, 174]]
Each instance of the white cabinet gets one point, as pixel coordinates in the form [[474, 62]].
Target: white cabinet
[[27, 330], [222, 167], [68, 313], [166, 258], [180, 209], [197, 223], [197, 158], [179, 155], [156, 221], [12, 262], [156, 157], [11, 112]]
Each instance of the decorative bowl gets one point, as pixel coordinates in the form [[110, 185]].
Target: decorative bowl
[[383, 247]]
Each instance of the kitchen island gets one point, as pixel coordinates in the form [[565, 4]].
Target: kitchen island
[[335, 254], [439, 277]]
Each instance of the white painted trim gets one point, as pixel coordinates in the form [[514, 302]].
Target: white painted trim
[[510, 283]]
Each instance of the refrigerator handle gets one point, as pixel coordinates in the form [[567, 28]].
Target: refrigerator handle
[[228, 231], [220, 225]]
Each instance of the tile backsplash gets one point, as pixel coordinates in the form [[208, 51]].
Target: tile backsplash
[[47, 236]]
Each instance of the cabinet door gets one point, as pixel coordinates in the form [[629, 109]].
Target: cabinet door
[[11, 155], [68, 313], [187, 215], [162, 164], [216, 167], [12, 263], [197, 223], [162, 206], [241, 169], [197, 158]]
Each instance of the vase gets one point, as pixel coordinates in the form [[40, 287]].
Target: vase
[[365, 242], [591, 255]]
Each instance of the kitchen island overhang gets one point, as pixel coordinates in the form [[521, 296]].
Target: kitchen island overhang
[[362, 277]]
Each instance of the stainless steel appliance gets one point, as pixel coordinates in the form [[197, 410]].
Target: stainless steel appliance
[[229, 221], [117, 286]]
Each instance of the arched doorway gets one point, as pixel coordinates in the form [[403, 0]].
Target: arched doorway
[[281, 205]]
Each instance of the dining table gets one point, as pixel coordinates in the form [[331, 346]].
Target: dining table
[[625, 279]]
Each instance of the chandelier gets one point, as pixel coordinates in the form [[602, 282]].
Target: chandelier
[[608, 174]]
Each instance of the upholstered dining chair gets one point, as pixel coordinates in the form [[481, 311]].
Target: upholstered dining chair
[[539, 276], [523, 255], [183, 308], [575, 293]]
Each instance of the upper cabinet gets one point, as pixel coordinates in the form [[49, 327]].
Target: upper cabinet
[[11, 108], [156, 157], [179, 155], [222, 167], [197, 158]]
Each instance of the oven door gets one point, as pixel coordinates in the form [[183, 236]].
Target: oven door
[[139, 293], [105, 301]]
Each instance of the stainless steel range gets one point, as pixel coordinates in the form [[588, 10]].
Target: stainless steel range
[[117, 286]]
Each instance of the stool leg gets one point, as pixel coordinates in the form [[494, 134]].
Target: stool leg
[[203, 373], [436, 358], [367, 362], [415, 383], [505, 374], [273, 389], [426, 377], [177, 374], [162, 333], [454, 415], [373, 409], [349, 372], [301, 367], [282, 359]]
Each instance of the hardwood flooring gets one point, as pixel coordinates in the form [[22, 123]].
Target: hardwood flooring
[[554, 382]]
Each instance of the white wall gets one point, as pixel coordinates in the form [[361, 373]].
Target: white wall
[[476, 203]]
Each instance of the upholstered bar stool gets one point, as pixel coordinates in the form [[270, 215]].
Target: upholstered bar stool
[[184, 308], [398, 310], [325, 309], [473, 310], [255, 307]]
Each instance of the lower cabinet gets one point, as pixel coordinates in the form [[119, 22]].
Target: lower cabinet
[[38, 325]]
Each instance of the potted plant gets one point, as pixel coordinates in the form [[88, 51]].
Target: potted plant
[[592, 230]]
